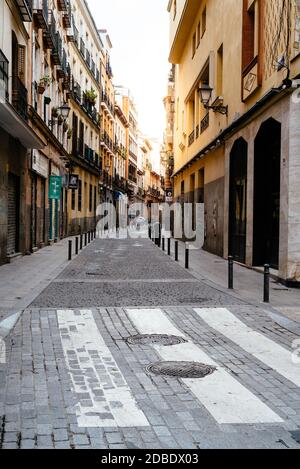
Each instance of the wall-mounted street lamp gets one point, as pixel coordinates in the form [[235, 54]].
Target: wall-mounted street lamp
[[64, 111], [205, 92]]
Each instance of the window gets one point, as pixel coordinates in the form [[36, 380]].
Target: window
[[79, 195], [182, 191], [4, 73], [203, 22], [198, 34], [73, 199], [91, 198], [194, 45], [219, 87], [248, 35]]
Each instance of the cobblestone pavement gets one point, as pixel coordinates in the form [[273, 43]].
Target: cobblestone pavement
[[73, 380]]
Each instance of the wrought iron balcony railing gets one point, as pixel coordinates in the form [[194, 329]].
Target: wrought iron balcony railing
[[20, 97]]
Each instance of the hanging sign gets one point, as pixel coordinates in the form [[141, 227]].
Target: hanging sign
[[55, 186]]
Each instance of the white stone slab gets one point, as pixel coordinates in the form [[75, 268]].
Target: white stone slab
[[255, 343], [228, 401]]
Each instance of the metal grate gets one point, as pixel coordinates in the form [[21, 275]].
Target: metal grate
[[181, 369], [155, 339]]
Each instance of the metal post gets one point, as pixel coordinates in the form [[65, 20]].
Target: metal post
[[85, 239], [267, 284], [76, 246], [149, 232], [176, 251], [187, 256], [169, 246], [81, 242], [70, 250], [159, 236], [163, 243], [230, 272], [89, 237]]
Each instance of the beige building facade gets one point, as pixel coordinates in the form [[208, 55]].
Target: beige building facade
[[85, 50]]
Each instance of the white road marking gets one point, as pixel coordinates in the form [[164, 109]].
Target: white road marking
[[224, 397], [255, 343], [104, 398]]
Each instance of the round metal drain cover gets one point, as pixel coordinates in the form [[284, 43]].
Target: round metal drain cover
[[155, 339], [181, 369]]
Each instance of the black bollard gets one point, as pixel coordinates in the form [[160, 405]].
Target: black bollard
[[176, 251], [85, 239], [81, 242], [76, 246], [187, 257], [230, 272], [149, 232], [163, 243], [267, 284], [159, 236], [169, 246], [70, 250]]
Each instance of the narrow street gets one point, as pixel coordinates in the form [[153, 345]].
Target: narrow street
[[90, 363]]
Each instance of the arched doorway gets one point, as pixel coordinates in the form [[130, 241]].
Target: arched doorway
[[266, 212], [238, 200]]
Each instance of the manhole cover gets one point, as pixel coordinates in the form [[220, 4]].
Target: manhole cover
[[181, 369], [155, 339]]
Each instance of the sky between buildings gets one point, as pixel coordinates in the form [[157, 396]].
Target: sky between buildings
[[139, 31]]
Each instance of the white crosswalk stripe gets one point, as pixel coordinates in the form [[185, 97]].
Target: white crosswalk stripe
[[228, 401], [255, 343], [103, 397]]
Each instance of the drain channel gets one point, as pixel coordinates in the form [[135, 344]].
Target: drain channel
[[155, 339], [181, 369]]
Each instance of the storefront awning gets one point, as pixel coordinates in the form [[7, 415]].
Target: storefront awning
[[15, 126]]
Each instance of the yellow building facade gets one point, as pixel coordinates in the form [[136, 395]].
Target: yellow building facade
[[235, 135]]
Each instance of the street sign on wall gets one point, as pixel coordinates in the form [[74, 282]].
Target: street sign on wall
[[73, 181], [55, 186]]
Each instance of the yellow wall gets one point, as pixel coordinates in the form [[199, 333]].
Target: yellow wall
[[223, 28]]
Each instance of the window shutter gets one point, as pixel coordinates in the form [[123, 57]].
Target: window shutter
[[21, 63]]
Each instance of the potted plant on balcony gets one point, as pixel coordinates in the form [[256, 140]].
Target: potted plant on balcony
[[43, 84], [91, 97], [65, 126], [54, 113]]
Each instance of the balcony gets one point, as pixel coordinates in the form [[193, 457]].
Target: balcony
[[107, 142], [62, 5], [120, 183], [14, 116], [67, 17], [19, 97], [49, 34], [191, 138], [25, 8], [76, 91], [154, 192], [4, 70], [41, 14], [57, 51], [109, 70], [204, 123], [107, 105], [106, 179], [82, 48]]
